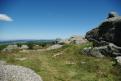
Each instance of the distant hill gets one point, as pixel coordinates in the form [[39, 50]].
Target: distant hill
[[25, 41]]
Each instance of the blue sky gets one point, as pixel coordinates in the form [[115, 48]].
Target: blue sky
[[50, 19]]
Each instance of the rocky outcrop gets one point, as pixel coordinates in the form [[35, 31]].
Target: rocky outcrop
[[96, 52], [64, 41], [107, 37], [77, 39], [24, 47], [17, 73], [108, 32], [56, 46], [101, 51], [10, 48], [73, 40]]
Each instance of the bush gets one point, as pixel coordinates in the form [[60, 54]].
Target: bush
[[19, 44], [2, 47], [30, 45]]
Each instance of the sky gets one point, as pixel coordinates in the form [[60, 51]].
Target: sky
[[50, 19]]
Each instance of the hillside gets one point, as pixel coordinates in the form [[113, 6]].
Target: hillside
[[66, 64]]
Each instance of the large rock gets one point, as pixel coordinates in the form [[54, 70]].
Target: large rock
[[107, 50], [77, 39], [96, 51], [108, 32], [17, 73], [56, 46], [10, 48], [73, 40], [24, 47], [107, 37], [66, 41]]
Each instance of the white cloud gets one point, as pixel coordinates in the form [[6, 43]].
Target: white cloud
[[4, 17]]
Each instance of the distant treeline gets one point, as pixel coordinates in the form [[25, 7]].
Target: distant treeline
[[30, 43], [25, 41]]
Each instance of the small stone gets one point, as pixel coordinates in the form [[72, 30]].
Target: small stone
[[118, 59]]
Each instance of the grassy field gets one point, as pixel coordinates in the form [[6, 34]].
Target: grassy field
[[66, 64]]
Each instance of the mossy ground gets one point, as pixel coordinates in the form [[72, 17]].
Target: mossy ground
[[66, 64]]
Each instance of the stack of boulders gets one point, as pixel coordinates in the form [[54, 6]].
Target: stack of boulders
[[106, 37], [73, 40]]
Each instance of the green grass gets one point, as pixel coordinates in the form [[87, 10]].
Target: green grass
[[70, 65]]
